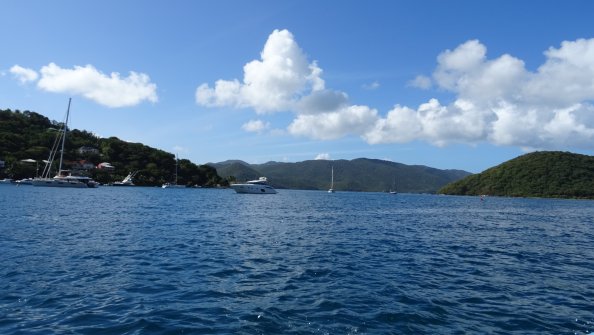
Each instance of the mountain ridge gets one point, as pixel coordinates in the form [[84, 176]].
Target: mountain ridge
[[360, 174]]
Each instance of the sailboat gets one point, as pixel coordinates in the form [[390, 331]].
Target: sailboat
[[331, 190], [393, 189], [64, 178], [174, 185]]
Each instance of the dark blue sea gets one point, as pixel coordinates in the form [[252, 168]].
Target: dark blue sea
[[204, 261]]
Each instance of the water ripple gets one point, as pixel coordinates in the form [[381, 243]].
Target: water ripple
[[149, 261]]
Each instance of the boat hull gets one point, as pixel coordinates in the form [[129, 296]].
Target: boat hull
[[55, 182], [253, 189]]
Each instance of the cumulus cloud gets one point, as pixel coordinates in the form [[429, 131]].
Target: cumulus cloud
[[274, 83], [322, 101], [24, 75], [323, 157], [255, 126], [495, 100], [500, 101], [352, 120], [284, 81], [108, 90]]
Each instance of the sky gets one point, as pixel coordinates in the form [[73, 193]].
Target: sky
[[447, 84]]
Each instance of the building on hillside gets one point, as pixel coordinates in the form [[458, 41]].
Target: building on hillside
[[105, 166], [86, 150]]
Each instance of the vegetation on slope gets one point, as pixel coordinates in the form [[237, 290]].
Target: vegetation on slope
[[29, 136], [539, 174], [371, 175]]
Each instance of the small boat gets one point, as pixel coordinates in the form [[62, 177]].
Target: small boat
[[173, 185], [393, 189], [64, 178], [26, 181], [170, 185], [259, 186], [7, 181], [128, 181], [331, 190]]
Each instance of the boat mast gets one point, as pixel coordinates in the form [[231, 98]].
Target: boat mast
[[64, 136]]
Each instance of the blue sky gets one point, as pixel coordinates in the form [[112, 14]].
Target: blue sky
[[448, 84]]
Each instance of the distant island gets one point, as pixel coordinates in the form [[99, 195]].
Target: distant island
[[547, 174], [359, 175]]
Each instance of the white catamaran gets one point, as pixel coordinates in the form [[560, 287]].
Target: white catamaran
[[64, 178]]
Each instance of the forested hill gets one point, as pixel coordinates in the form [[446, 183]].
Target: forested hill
[[539, 174], [29, 136], [371, 175]]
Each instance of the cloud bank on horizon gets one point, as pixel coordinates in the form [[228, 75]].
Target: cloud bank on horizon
[[112, 91], [495, 100]]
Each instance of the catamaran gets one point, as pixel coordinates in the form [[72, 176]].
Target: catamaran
[[64, 178]]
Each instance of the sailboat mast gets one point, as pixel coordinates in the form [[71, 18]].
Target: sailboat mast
[[64, 136]]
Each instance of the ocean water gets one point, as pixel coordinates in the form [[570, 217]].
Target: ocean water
[[203, 261]]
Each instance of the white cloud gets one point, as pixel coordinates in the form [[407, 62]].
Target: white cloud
[[500, 101], [283, 80], [111, 91], [496, 100], [323, 157], [353, 120], [373, 86], [322, 101], [24, 75], [274, 83], [422, 82], [255, 126]]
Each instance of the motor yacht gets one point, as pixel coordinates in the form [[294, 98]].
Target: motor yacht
[[259, 186]]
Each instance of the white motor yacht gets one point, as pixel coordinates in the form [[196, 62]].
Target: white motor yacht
[[259, 186]]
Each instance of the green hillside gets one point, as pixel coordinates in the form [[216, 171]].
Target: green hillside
[[29, 136], [539, 174], [371, 175]]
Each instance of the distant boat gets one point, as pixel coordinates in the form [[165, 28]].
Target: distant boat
[[174, 185], [331, 190], [258, 186], [393, 189], [64, 178], [128, 181], [26, 181], [7, 181]]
